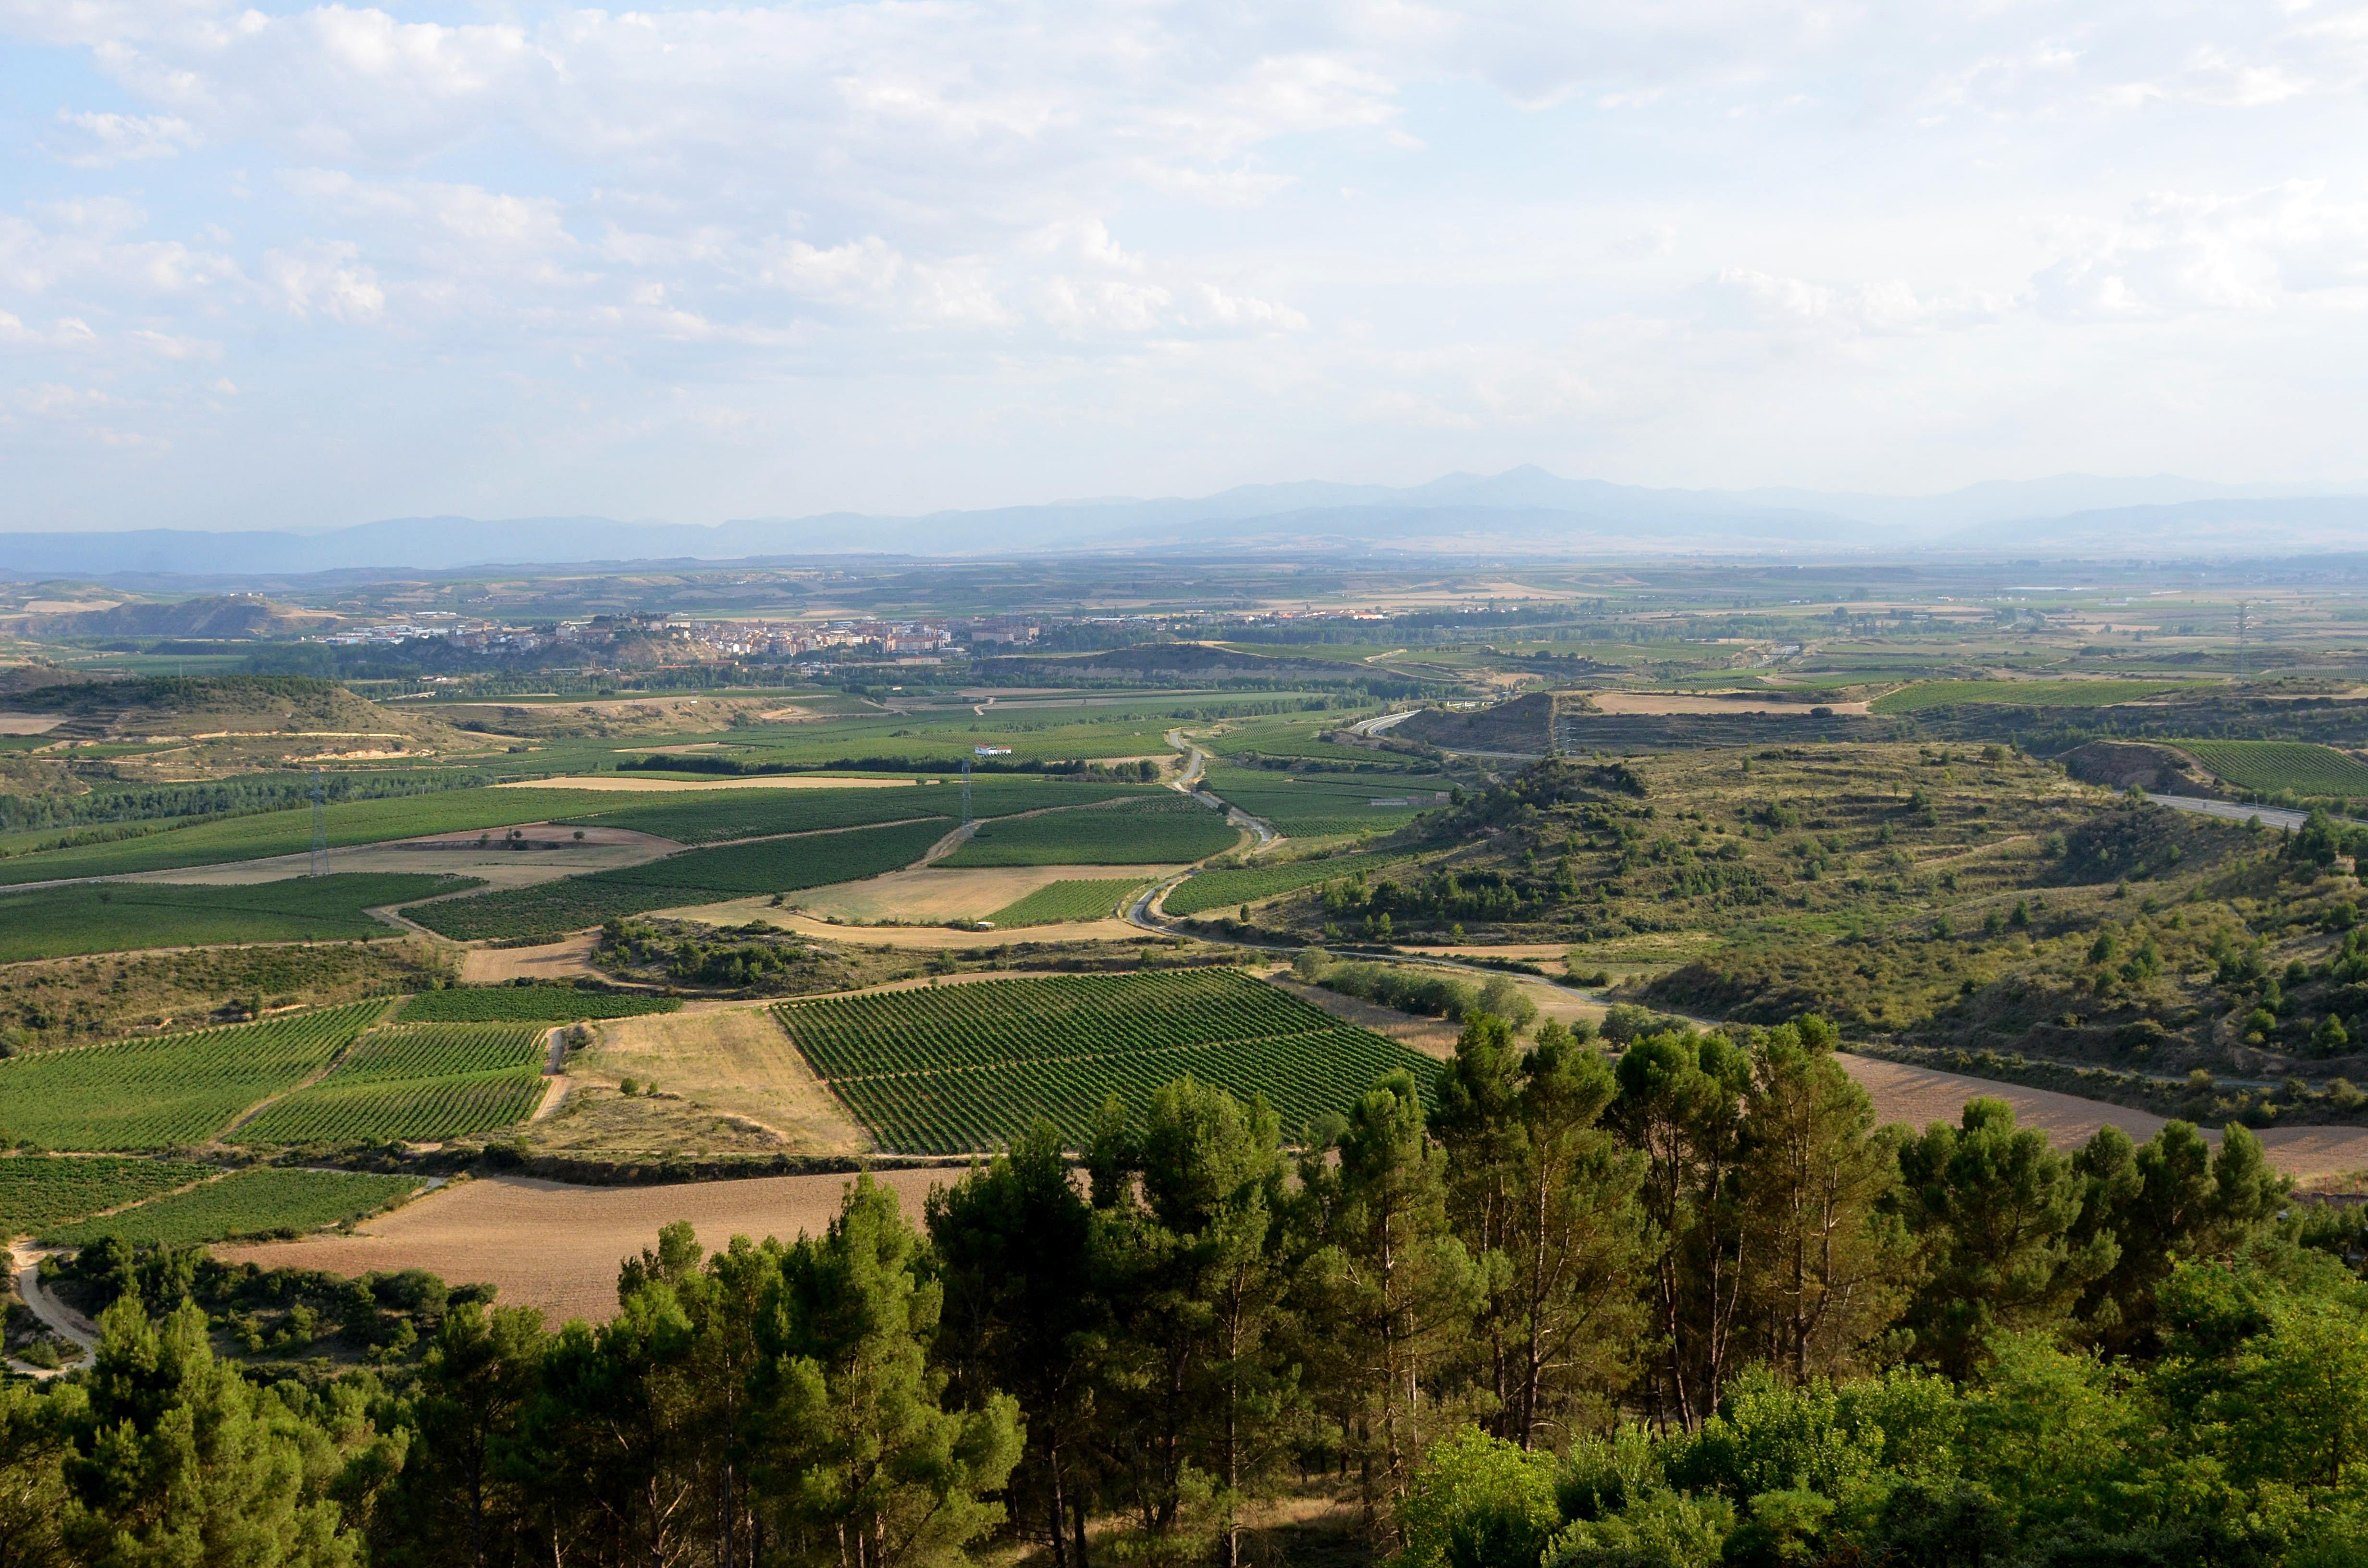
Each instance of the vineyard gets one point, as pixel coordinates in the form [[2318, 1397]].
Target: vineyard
[[210, 842], [756, 813], [701, 876], [414, 1082], [258, 1202], [2027, 693], [40, 1191], [2272, 768], [527, 1004], [166, 1090], [1321, 805], [1056, 902], [969, 1067], [1228, 890], [107, 917], [1170, 830]]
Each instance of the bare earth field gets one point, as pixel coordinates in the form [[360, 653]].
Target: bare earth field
[[731, 1057], [630, 783], [1660, 703], [1919, 1095], [557, 1247], [30, 723], [553, 961], [601, 849]]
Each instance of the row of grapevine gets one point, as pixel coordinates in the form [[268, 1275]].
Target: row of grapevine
[[527, 1004], [264, 1202], [893, 1031], [439, 1051], [1170, 831], [40, 1191], [1304, 1077], [401, 1111], [756, 813], [2283, 767], [967, 1067], [1058, 901], [168, 1090]]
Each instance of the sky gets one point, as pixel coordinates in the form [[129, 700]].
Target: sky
[[306, 265]]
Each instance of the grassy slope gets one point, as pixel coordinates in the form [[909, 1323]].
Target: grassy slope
[[124, 916]]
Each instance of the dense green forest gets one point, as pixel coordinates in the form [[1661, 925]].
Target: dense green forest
[[1683, 1307]]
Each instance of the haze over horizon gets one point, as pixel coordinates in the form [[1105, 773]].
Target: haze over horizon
[[301, 267]]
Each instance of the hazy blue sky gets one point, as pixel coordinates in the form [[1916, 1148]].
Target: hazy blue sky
[[303, 266]]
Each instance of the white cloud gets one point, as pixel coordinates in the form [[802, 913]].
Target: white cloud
[[92, 141], [1063, 243], [325, 279]]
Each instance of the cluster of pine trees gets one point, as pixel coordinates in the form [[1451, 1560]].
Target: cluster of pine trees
[[1691, 1307]]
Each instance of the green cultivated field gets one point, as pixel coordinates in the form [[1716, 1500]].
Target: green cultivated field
[[290, 832], [1320, 805], [168, 1090], [40, 1191], [970, 1067], [264, 1202], [1033, 735], [1295, 737], [2028, 693], [1056, 902], [1228, 890], [110, 917], [2272, 766], [414, 1082], [700, 876], [758, 812], [527, 1004], [1163, 831]]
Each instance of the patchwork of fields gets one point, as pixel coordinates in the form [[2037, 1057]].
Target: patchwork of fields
[[970, 1067]]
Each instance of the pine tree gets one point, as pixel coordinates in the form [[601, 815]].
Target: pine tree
[[179, 1460], [1829, 1259], [1393, 1288], [1016, 1248], [863, 1466]]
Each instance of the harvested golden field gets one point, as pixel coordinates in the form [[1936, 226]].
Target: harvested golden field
[[557, 1247], [731, 1058], [553, 961]]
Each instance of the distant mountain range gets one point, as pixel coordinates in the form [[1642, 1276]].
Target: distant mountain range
[[1525, 511]]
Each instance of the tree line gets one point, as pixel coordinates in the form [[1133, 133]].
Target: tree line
[[1687, 1307]]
